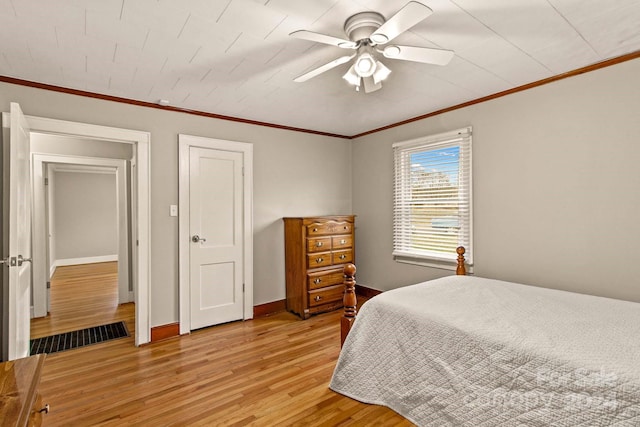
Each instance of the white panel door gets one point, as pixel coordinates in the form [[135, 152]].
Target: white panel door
[[217, 240], [19, 236]]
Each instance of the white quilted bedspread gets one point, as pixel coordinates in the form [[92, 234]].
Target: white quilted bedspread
[[467, 351]]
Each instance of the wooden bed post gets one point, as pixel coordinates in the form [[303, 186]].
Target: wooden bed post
[[349, 301], [461, 270]]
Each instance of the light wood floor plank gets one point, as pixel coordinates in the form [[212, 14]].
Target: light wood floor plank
[[269, 371]]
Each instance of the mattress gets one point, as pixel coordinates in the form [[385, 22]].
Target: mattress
[[468, 351]]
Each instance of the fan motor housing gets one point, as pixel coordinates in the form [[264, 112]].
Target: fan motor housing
[[361, 25]]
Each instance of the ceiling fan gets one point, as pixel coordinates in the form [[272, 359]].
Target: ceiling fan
[[368, 34]]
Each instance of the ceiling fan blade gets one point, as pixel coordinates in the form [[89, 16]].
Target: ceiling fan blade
[[323, 38], [412, 13], [326, 67], [370, 85], [426, 55]]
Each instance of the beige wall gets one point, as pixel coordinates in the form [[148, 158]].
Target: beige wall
[[294, 174], [86, 220], [556, 187], [72, 146]]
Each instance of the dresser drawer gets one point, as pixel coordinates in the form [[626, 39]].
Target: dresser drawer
[[318, 260], [325, 278], [331, 227], [325, 295], [319, 244], [340, 242], [342, 257]]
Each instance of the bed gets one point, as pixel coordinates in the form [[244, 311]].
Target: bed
[[469, 351]]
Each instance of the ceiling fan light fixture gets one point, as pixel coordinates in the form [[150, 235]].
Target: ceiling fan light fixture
[[381, 73], [369, 34], [352, 77], [365, 65]]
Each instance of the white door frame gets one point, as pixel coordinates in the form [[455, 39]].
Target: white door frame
[[185, 142], [40, 273], [141, 141]]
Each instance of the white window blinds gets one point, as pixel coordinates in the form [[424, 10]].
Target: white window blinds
[[432, 202]]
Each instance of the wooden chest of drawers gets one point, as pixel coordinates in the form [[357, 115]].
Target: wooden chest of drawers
[[20, 402], [316, 249]]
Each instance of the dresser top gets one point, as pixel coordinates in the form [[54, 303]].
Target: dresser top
[[323, 217]]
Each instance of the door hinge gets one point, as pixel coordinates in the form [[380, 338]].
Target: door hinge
[[243, 171], [48, 285], [46, 181], [137, 242], [243, 287]]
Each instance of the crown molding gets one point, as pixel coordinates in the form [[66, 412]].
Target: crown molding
[[587, 69], [576, 72], [54, 88]]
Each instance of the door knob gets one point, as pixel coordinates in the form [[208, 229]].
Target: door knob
[[22, 260], [196, 239]]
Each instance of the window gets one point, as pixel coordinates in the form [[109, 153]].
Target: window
[[432, 198]]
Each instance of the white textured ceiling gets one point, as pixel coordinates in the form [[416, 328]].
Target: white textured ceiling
[[235, 58]]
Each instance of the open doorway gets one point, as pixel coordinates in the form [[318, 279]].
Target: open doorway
[[17, 129], [82, 219], [85, 140]]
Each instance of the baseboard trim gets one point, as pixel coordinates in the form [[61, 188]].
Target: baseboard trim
[[170, 330], [269, 308], [85, 260], [163, 332], [366, 292]]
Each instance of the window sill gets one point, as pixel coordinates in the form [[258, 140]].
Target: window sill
[[432, 263]]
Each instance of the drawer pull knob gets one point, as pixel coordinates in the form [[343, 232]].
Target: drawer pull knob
[[316, 281], [319, 244], [317, 298], [315, 229], [45, 409], [319, 260], [343, 256], [342, 242], [346, 228]]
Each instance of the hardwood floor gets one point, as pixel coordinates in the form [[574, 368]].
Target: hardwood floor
[[270, 371], [83, 296]]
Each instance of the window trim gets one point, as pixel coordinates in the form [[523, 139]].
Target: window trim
[[464, 135]]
